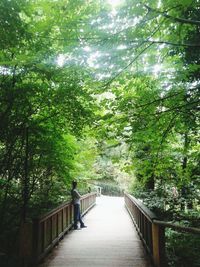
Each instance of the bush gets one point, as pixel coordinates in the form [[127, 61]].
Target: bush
[[182, 249]]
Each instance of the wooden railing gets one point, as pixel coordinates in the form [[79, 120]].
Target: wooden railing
[[152, 230], [46, 231]]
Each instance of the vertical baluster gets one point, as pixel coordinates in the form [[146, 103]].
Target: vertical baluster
[[67, 216], [62, 220], [150, 237], [72, 214], [51, 228], [57, 225], [146, 230], [44, 235]]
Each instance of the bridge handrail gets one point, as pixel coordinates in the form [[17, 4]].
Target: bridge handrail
[[60, 207], [44, 232], [152, 230], [179, 228], [149, 214], [52, 212]]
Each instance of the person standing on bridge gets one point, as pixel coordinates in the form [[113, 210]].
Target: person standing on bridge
[[76, 197]]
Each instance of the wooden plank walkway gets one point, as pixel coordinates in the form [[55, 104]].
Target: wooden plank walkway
[[109, 241]]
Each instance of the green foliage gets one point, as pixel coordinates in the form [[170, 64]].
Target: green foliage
[[44, 109], [110, 189], [182, 249], [91, 93], [84, 159], [170, 204]]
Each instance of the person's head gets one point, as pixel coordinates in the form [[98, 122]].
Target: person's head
[[74, 184]]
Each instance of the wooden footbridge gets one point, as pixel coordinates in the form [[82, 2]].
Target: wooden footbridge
[[110, 240], [121, 232]]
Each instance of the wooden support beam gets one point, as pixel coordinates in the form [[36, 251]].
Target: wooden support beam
[[158, 241]]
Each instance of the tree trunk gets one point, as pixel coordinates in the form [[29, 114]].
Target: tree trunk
[[184, 191], [25, 181], [150, 183]]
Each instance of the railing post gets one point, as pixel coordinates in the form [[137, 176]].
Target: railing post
[[25, 243], [35, 251], [158, 242]]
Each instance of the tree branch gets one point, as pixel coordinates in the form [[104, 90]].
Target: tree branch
[[132, 61], [164, 135], [180, 20], [164, 98], [169, 43], [177, 108]]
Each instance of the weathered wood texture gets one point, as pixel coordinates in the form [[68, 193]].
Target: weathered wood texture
[[37, 238], [152, 235], [152, 230], [109, 241]]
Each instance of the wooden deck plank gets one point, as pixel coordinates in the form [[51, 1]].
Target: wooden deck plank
[[109, 241]]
